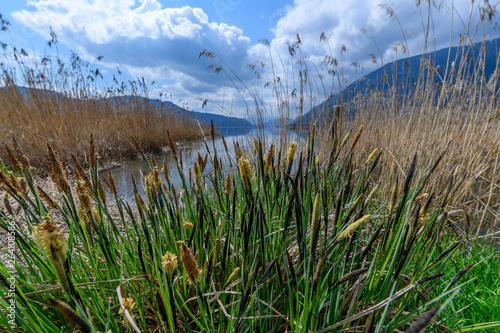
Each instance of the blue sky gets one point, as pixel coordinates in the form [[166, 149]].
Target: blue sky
[[160, 40]]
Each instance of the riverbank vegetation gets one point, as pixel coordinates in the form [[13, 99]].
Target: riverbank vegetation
[[386, 220]]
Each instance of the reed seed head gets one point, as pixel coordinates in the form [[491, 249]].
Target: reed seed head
[[169, 263], [189, 262]]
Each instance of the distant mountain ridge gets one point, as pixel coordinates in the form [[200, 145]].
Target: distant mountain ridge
[[405, 73]]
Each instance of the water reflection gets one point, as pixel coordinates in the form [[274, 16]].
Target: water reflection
[[137, 168]]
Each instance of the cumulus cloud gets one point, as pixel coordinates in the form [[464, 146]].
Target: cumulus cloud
[[366, 27], [140, 36]]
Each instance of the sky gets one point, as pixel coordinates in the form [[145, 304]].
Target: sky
[[160, 40]]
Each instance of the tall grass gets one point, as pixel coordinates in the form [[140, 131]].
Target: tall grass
[[63, 102]]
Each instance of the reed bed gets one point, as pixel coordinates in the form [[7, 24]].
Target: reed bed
[[52, 101], [280, 243]]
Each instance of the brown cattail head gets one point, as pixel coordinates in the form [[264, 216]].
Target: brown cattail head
[[6, 184], [269, 159], [80, 173], [51, 203], [245, 172], [169, 263], [357, 136], [7, 205], [225, 145], [70, 314], [172, 145], [56, 171], [51, 239], [15, 184], [111, 183], [21, 158], [14, 160], [227, 186], [212, 130], [180, 160], [102, 192], [189, 263], [83, 195], [164, 170]]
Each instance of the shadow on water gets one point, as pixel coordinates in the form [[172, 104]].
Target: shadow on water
[[137, 168]]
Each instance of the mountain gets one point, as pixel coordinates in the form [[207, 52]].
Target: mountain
[[404, 74]]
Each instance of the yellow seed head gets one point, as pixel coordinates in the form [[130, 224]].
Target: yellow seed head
[[371, 156], [245, 172], [256, 145], [291, 152], [169, 263], [188, 225], [233, 275], [129, 304], [51, 239], [352, 228]]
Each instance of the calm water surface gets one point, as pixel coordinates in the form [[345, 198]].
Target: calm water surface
[[137, 168]]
